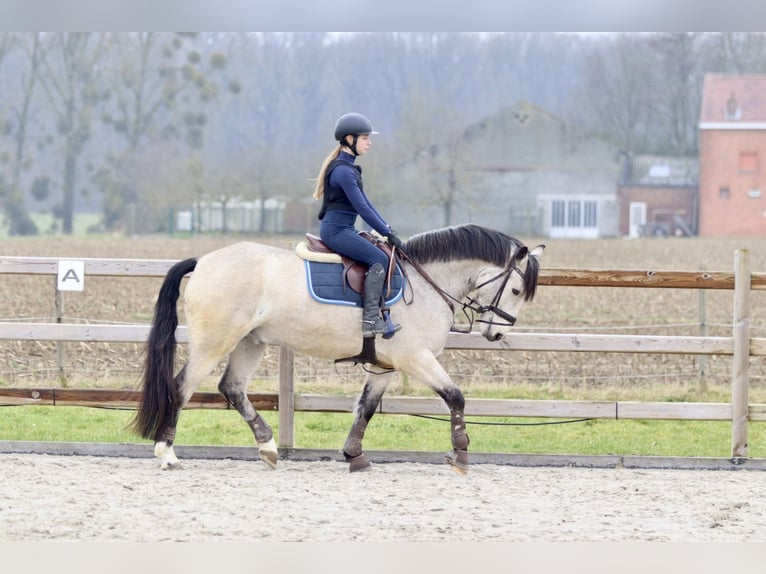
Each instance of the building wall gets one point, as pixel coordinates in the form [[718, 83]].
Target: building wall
[[523, 158], [741, 214], [509, 169], [661, 204]]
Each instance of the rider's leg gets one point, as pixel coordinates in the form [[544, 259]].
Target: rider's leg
[[372, 321], [342, 238]]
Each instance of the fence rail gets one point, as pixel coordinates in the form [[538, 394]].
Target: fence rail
[[611, 410], [740, 346], [559, 277]]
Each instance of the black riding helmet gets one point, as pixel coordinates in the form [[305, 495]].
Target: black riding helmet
[[352, 124]]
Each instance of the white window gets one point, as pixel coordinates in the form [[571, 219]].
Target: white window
[[589, 214], [574, 210], [574, 218], [558, 214]]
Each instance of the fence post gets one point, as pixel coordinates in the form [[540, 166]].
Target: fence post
[[59, 302], [702, 359], [741, 359], [286, 397]]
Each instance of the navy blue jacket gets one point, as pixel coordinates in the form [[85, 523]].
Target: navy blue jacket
[[344, 191]]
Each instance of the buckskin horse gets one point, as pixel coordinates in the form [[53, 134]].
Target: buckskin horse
[[244, 297]]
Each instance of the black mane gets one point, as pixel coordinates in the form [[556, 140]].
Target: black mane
[[462, 242], [471, 242]]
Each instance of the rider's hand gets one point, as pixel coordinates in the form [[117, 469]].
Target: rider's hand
[[394, 240]]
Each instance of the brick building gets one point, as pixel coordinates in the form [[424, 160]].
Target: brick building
[[732, 178], [657, 196]]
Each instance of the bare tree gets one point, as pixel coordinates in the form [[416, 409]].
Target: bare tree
[[677, 96], [742, 52], [615, 95], [16, 125], [161, 86], [429, 152], [20, 221], [69, 81]]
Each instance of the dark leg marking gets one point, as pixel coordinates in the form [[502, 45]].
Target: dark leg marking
[[234, 392], [365, 410], [168, 433], [455, 400], [261, 429]]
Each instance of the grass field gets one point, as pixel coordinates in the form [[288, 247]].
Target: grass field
[[587, 376], [395, 432]]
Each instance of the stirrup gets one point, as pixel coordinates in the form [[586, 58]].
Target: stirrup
[[391, 327], [372, 328]]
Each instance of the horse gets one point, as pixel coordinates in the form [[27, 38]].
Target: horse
[[248, 295]]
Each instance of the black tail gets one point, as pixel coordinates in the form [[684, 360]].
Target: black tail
[[159, 390]]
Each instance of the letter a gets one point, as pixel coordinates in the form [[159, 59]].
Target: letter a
[[70, 274]]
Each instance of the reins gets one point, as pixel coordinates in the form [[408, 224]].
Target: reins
[[423, 273]]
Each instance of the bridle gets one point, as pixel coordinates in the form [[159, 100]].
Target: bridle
[[473, 304], [476, 307]]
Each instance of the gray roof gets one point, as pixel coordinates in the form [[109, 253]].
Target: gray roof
[[661, 171]]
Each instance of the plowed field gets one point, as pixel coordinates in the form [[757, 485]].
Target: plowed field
[[555, 309]]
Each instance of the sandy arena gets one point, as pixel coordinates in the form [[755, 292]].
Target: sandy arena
[[91, 498]]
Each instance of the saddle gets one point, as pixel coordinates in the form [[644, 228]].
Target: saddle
[[353, 271], [353, 274]]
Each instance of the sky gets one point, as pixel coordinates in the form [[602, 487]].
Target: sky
[[387, 15]]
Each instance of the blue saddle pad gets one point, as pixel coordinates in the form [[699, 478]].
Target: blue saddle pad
[[327, 285]]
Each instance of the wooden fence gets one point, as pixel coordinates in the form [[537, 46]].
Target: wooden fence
[[740, 346]]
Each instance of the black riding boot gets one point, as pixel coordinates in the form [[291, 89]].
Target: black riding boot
[[372, 323]]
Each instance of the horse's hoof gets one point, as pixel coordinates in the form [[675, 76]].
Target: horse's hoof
[[359, 464], [459, 470], [171, 466], [458, 460], [268, 453], [270, 458]]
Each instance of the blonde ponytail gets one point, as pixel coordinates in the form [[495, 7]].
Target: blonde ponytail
[[319, 184]]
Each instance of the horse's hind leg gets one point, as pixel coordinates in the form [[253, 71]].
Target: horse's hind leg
[[363, 411], [202, 361], [233, 385], [163, 443]]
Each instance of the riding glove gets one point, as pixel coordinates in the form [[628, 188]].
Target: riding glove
[[394, 240]]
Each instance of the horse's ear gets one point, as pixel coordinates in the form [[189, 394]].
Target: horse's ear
[[520, 253], [537, 252]]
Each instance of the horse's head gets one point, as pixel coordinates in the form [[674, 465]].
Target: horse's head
[[503, 272], [501, 292]]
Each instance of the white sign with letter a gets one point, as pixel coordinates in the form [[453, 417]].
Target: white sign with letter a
[[71, 275]]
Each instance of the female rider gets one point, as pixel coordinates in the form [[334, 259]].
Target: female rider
[[339, 186]]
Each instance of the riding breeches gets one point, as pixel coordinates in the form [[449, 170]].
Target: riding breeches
[[339, 234]]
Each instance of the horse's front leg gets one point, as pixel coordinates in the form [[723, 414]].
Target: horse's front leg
[[460, 440], [364, 410], [427, 369]]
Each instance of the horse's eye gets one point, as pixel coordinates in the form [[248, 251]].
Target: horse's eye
[[516, 292]]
